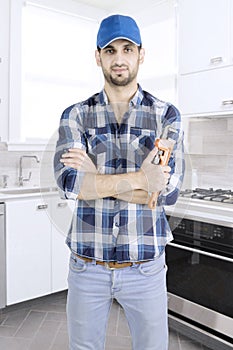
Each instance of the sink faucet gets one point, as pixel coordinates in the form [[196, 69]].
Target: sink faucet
[[4, 180], [21, 178]]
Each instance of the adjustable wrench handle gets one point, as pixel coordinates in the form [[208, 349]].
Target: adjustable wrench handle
[[162, 158]]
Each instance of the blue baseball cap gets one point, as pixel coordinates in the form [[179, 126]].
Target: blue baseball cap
[[118, 27]]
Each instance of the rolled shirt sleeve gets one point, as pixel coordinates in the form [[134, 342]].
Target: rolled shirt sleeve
[[70, 132]]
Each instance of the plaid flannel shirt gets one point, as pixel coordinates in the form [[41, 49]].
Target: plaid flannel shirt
[[109, 229]]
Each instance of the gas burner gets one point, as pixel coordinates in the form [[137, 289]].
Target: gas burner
[[219, 198], [228, 200], [209, 194]]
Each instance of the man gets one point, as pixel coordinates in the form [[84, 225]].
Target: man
[[104, 161]]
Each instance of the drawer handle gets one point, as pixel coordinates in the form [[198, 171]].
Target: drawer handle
[[216, 60], [42, 206], [62, 205], [227, 102]]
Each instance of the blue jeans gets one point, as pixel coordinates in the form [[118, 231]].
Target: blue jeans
[[140, 289]]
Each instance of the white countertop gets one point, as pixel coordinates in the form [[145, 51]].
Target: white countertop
[[12, 193]]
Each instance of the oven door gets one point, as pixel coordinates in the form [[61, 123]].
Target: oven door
[[200, 286]]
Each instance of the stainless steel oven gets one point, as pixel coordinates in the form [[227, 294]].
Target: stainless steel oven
[[200, 266]]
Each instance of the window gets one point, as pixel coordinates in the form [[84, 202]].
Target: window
[[58, 67]]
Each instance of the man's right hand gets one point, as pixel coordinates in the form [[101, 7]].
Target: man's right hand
[[154, 178]]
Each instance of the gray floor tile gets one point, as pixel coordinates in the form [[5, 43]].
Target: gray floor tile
[[45, 336], [61, 341], [50, 307], [31, 324], [63, 326], [56, 316], [123, 328], [3, 317], [174, 343], [14, 343], [15, 318], [7, 331], [118, 343], [41, 324], [113, 319]]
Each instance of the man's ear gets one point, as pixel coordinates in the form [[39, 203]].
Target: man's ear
[[141, 55], [97, 58]]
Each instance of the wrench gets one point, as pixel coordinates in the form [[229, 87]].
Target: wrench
[[162, 157]]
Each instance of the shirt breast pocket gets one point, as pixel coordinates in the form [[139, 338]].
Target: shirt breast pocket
[[142, 140], [97, 140]]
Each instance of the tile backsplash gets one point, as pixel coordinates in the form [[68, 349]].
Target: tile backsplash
[[209, 152], [208, 148], [41, 173]]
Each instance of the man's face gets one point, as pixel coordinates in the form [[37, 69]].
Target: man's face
[[120, 62]]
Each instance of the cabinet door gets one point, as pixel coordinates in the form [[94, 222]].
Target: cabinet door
[[231, 33], [206, 92], [61, 216], [28, 232], [204, 34]]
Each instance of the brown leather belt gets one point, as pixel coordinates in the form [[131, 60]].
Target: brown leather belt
[[110, 265]]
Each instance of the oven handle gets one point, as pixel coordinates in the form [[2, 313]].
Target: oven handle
[[201, 252]]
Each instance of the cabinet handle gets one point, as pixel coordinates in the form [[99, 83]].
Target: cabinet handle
[[42, 206], [62, 205], [198, 251], [227, 102], [216, 60]]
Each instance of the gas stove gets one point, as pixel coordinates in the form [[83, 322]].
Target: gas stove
[[204, 204], [210, 194]]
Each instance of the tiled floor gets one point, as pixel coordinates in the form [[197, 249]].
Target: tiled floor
[[41, 325]]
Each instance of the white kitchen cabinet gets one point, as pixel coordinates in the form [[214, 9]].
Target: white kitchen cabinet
[[206, 92], [28, 258], [37, 257], [205, 53], [204, 35], [61, 216], [231, 32]]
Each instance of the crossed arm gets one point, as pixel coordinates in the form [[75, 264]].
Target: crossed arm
[[133, 187]]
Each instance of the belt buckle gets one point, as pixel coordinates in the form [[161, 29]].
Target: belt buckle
[[106, 265]]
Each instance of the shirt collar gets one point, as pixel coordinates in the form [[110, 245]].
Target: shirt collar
[[136, 100]]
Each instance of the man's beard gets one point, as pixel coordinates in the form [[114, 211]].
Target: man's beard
[[119, 80]]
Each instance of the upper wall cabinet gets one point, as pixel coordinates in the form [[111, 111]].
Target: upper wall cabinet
[[209, 92], [204, 35], [205, 51]]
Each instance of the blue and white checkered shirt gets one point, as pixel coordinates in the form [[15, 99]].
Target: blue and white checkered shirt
[[110, 229]]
